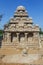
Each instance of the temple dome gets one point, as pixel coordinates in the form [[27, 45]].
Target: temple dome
[[20, 8]]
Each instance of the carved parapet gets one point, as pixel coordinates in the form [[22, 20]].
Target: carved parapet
[[36, 28], [21, 14]]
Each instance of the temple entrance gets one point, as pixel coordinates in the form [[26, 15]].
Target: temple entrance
[[30, 36], [22, 38], [13, 37]]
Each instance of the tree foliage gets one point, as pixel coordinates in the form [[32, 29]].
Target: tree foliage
[[41, 32], [1, 32]]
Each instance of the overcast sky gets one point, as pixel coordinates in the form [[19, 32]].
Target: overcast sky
[[34, 8]]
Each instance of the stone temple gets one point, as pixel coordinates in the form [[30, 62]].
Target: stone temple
[[21, 39], [20, 32]]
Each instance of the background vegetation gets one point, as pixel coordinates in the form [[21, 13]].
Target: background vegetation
[[41, 32], [1, 32]]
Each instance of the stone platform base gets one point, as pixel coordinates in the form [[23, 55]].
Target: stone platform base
[[21, 58], [18, 64], [18, 59]]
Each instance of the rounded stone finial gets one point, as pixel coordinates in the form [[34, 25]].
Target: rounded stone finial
[[20, 8]]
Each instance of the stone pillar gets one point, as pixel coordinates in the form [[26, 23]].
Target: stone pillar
[[36, 34], [26, 37], [36, 39], [17, 37], [5, 36], [8, 37]]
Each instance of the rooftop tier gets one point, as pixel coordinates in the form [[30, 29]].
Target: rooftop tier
[[21, 28], [20, 12], [21, 20]]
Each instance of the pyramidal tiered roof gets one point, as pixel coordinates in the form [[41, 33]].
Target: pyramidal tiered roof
[[21, 20]]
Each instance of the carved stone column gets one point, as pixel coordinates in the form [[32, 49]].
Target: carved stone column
[[9, 37], [5, 36], [17, 37], [36, 34], [26, 38]]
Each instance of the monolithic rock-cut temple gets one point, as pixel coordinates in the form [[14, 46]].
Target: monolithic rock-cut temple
[[22, 43]]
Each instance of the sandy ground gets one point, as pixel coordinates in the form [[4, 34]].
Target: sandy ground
[[18, 58]]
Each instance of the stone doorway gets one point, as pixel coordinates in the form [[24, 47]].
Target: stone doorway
[[22, 38], [13, 37], [30, 37]]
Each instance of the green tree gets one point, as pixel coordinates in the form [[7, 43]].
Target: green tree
[[41, 32], [1, 31]]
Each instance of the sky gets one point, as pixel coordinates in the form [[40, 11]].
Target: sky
[[34, 8]]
